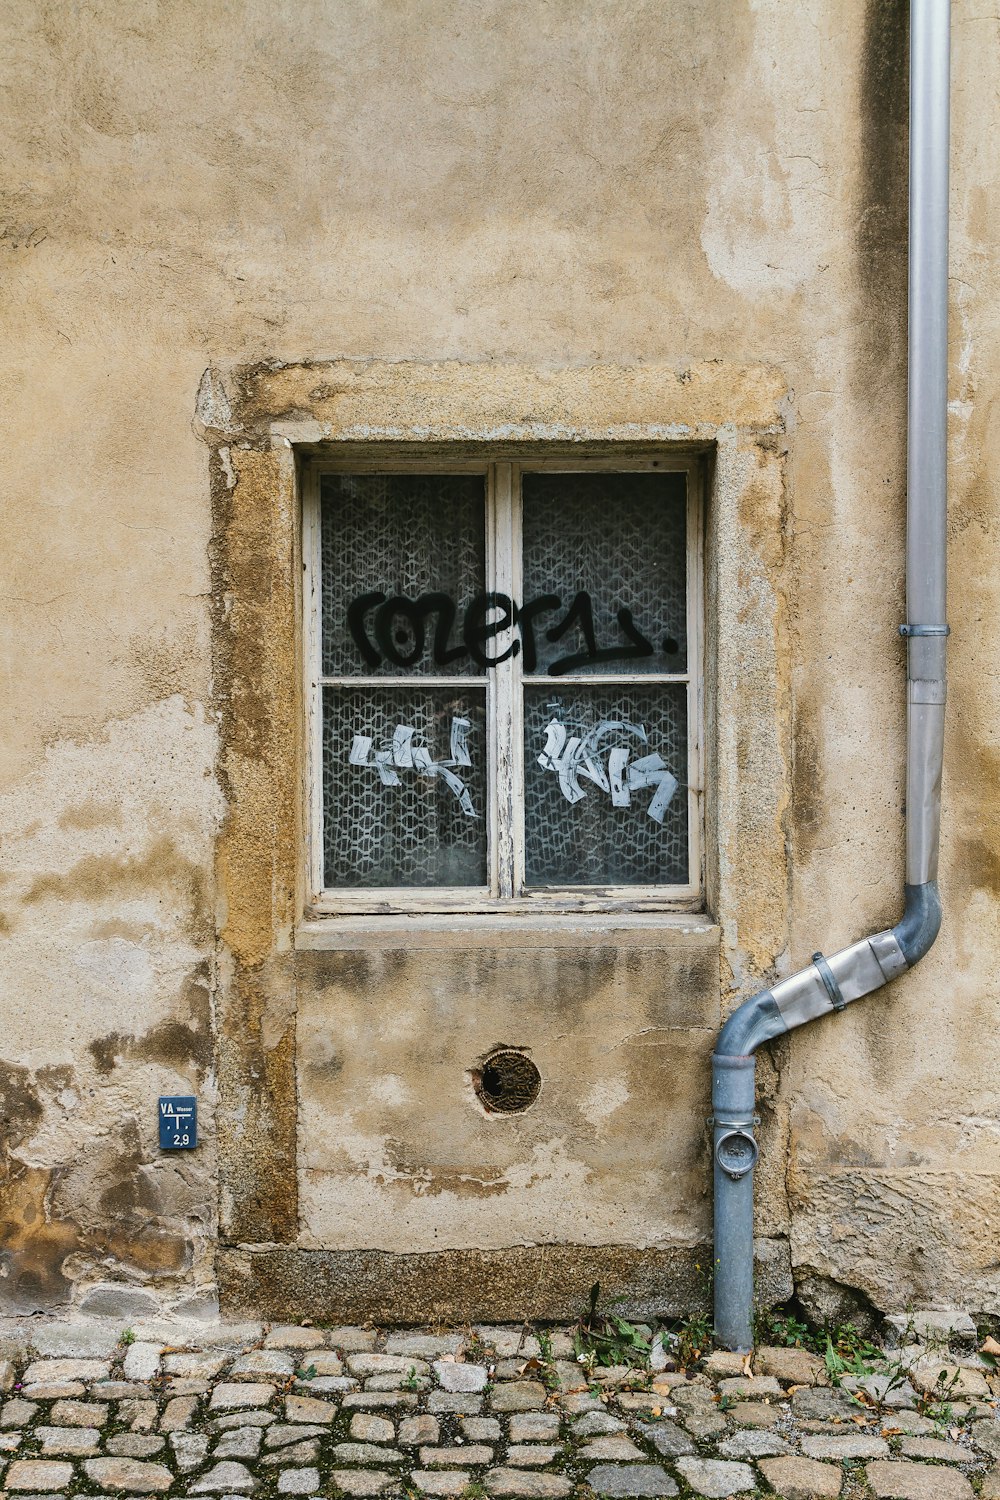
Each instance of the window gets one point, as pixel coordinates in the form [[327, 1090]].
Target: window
[[503, 682]]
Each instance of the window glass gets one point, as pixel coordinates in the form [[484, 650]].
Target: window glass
[[402, 557], [604, 573], [404, 787], [605, 785]]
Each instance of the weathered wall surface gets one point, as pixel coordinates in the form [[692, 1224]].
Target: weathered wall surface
[[608, 1036], [558, 191]]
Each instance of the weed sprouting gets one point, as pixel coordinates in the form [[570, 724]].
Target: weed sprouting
[[782, 1330], [605, 1338]]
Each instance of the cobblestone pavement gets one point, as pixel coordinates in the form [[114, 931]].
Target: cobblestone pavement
[[199, 1409]]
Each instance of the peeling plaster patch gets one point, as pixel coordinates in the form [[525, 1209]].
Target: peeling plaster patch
[[227, 468], [546, 1197], [212, 408], [606, 1096], [550, 1164], [748, 235], [349, 1151], [123, 970], [35, 1244], [767, 226], [20, 1109], [390, 1089]]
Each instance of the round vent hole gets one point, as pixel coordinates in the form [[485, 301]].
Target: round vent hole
[[508, 1082]]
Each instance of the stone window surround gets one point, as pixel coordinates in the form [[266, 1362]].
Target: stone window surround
[[257, 422]]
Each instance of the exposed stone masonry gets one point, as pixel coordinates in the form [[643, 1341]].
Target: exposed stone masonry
[[222, 1410]]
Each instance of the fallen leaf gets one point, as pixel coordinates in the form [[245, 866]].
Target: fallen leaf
[[891, 1431], [990, 1346], [656, 1411], [954, 1433], [746, 1365]]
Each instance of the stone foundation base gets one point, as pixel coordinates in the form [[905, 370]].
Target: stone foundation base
[[548, 1282]]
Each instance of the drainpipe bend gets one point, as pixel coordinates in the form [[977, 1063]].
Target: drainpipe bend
[[829, 984]]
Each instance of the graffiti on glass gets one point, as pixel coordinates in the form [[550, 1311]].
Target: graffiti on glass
[[401, 753], [400, 631], [603, 756]]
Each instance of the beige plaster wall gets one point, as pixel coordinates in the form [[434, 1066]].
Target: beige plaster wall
[[547, 187]]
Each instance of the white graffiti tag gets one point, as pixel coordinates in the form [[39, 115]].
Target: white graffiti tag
[[572, 756], [401, 754]]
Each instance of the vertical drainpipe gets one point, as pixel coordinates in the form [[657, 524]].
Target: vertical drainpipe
[[827, 985]]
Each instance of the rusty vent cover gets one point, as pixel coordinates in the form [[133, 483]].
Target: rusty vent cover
[[507, 1083]]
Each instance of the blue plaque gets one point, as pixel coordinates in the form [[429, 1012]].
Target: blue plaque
[[178, 1122]]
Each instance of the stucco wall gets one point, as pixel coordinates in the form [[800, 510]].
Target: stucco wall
[[578, 195]]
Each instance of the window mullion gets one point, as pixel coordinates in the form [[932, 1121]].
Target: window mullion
[[517, 696], [501, 569]]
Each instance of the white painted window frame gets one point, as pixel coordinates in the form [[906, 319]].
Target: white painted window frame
[[506, 891]]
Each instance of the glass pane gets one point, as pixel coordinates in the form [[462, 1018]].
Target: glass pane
[[403, 556], [404, 787], [604, 573], [605, 785]]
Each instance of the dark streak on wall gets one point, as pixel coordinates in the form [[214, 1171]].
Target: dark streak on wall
[[882, 225]]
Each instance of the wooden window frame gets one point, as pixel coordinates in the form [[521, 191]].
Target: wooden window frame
[[506, 892]]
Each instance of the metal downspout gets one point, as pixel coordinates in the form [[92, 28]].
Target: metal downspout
[[829, 984]]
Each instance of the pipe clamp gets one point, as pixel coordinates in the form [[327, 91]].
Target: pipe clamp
[[737, 1153], [830, 984], [914, 630]]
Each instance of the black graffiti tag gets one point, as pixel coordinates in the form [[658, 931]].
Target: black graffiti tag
[[395, 629]]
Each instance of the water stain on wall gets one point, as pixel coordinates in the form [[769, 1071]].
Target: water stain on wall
[[102, 877], [20, 1110], [980, 862]]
